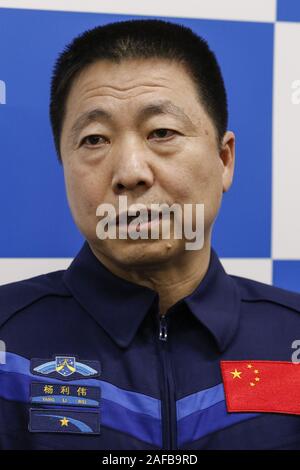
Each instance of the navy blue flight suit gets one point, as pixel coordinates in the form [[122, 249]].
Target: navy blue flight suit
[[91, 365]]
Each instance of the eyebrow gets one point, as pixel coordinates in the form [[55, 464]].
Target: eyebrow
[[153, 109]]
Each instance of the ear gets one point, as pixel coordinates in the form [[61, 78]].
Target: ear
[[227, 155]]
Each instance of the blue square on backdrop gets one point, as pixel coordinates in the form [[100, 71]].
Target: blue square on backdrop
[[36, 220], [286, 274], [288, 10]]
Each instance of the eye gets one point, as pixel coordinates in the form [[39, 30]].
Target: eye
[[93, 140], [164, 133]]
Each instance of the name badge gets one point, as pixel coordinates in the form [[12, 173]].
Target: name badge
[[57, 394]]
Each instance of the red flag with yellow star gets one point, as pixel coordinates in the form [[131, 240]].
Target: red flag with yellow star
[[262, 386]]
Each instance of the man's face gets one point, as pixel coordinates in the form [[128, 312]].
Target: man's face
[[167, 156]]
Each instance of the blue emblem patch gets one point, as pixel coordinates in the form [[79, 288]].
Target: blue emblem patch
[[65, 365], [64, 421], [65, 368]]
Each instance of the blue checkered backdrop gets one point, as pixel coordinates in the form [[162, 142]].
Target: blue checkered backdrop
[[256, 42]]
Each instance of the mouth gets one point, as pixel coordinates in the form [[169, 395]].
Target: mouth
[[152, 216]]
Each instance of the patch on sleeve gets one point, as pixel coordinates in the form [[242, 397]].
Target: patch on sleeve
[[261, 386], [64, 421]]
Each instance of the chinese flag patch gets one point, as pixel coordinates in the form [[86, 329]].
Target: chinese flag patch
[[262, 386]]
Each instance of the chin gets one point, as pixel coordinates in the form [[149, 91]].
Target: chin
[[142, 253]]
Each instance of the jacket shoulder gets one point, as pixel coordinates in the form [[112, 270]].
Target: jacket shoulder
[[255, 291], [18, 295]]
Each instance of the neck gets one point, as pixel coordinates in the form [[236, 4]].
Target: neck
[[172, 281]]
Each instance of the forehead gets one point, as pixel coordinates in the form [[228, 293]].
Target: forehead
[[131, 81], [131, 73]]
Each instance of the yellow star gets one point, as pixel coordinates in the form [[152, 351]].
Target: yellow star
[[249, 366], [64, 421], [257, 379], [256, 371], [252, 384], [235, 374]]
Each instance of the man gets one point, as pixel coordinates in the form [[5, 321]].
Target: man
[[132, 346]]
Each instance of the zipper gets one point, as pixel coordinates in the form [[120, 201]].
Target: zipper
[[168, 398], [163, 328]]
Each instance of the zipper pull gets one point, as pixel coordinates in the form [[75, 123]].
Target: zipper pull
[[163, 330]]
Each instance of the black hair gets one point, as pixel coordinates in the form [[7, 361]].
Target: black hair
[[140, 39]]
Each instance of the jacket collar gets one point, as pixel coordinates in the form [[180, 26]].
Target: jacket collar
[[119, 306]]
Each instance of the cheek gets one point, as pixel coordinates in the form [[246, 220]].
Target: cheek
[[82, 191], [195, 178]]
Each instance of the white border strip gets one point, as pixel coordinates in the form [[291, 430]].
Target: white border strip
[[16, 269], [286, 141], [259, 269], [237, 10]]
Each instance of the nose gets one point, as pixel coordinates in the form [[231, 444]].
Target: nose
[[131, 169]]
